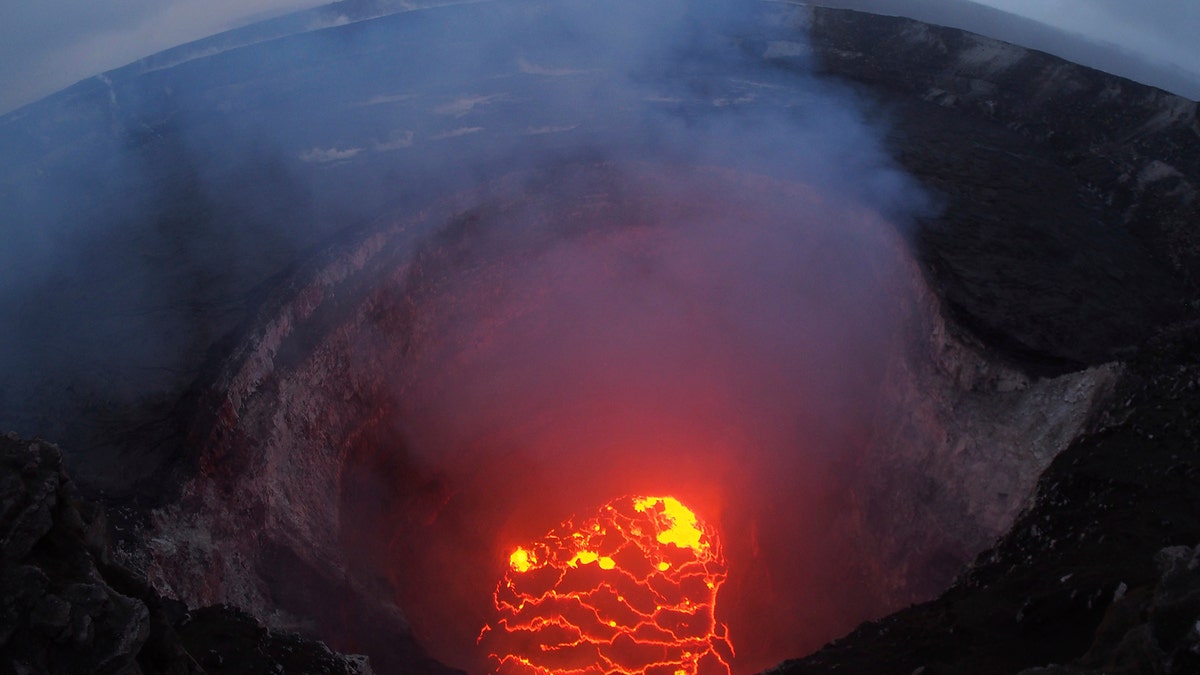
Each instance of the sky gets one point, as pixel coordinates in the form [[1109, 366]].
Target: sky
[[1162, 30], [48, 45]]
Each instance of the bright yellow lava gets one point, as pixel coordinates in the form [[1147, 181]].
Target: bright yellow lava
[[586, 558], [521, 560], [682, 529]]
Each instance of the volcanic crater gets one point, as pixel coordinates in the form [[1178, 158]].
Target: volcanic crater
[[852, 379], [415, 405]]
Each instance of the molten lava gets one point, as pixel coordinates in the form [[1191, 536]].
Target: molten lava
[[631, 590]]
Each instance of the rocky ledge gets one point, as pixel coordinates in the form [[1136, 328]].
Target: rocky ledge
[[67, 607]]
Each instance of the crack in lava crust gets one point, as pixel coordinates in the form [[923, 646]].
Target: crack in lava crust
[[632, 590]]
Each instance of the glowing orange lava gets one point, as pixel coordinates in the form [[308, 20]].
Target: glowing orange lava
[[632, 590]]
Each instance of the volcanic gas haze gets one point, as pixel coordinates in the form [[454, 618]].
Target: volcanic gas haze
[[434, 398], [705, 293], [710, 335]]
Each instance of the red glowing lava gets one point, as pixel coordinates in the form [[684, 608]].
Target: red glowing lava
[[632, 590]]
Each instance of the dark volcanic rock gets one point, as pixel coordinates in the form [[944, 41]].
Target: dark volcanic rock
[[1069, 198], [1148, 631], [60, 615], [66, 607], [227, 640]]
